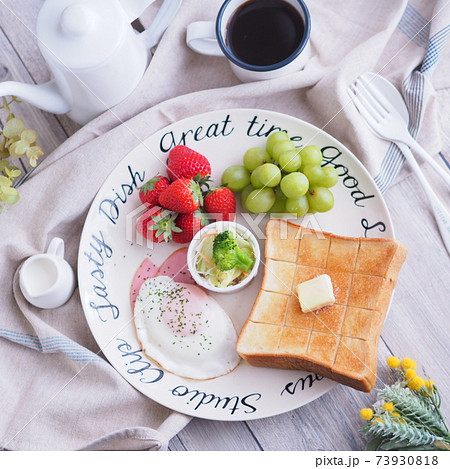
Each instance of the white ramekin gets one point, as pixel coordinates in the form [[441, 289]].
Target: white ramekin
[[217, 227]]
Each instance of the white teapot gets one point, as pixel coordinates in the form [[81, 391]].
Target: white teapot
[[95, 56]]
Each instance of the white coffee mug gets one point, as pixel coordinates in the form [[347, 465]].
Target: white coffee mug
[[210, 38], [47, 280]]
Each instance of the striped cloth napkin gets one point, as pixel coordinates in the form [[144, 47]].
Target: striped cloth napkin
[[430, 34]]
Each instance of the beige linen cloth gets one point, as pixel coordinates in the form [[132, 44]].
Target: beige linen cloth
[[57, 390]]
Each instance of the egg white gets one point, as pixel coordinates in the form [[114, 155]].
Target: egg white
[[184, 329]]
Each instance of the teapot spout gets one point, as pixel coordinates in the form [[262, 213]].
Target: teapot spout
[[46, 97]]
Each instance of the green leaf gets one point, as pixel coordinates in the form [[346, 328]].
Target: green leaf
[[14, 127], [9, 195], [12, 172], [5, 181], [442, 445], [393, 445], [374, 444], [3, 164]]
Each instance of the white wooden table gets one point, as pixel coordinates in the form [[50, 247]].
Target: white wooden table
[[417, 325]]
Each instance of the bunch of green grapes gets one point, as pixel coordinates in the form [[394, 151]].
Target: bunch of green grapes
[[282, 178]]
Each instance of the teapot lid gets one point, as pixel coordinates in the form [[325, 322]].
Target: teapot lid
[[80, 34]]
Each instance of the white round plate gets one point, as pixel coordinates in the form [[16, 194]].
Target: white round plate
[[110, 254]]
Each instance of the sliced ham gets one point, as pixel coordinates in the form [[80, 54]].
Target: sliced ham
[[175, 266], [145, 271]]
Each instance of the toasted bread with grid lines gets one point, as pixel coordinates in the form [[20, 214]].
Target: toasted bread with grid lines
[[339, 341]]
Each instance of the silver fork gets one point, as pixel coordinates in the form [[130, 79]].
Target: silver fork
[[381, 121], [387, 119]]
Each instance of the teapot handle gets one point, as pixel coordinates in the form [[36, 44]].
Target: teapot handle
[[163, 18], [135, 8]]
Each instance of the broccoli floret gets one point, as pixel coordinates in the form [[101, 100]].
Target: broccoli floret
[[227, 254]]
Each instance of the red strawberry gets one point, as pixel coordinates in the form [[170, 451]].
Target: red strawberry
[[220, 202], [186, 163], [157, 225], [182, 196], [190, 224], [149, 192]]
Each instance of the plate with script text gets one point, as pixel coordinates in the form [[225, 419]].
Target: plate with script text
[[111, 252]]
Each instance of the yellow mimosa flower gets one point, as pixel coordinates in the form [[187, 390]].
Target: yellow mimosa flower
[[429, 383], [408, 363], [366, 414], [389, 406], [416, 383], [410, 374], [393, 362]]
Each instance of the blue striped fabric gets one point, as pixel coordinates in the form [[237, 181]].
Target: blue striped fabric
[[436, 44], [417, 29], [390, 167], [415, 26], [444, 159], [54, 344]]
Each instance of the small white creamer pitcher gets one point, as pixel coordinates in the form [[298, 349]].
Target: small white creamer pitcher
[[47, 280], [96, 57]]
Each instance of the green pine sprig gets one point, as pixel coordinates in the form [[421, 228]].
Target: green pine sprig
[[415, 408], [406, 415], [404, 433]]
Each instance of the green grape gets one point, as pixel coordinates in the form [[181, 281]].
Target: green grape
[[267, 174], [279, 205], [294, 185], [255, 180], [255, 157], [270, 174], [245, 192], [236, 177], [290, 161], [297, 206], [281, 147], [330, 177], [314, 173], [274, 138], [260, 200], [320, 199], [311, 155]]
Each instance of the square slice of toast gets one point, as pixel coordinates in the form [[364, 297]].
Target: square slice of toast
[[339, 341]]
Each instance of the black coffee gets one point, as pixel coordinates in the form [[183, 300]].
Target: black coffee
[[264, 32]]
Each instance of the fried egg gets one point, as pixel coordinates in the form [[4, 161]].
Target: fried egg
[[184, 330]]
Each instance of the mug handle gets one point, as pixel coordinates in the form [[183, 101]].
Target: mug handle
[[201, 38], [56, 247], [163, 18]]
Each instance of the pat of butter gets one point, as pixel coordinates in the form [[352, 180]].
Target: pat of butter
[[315, 293]]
